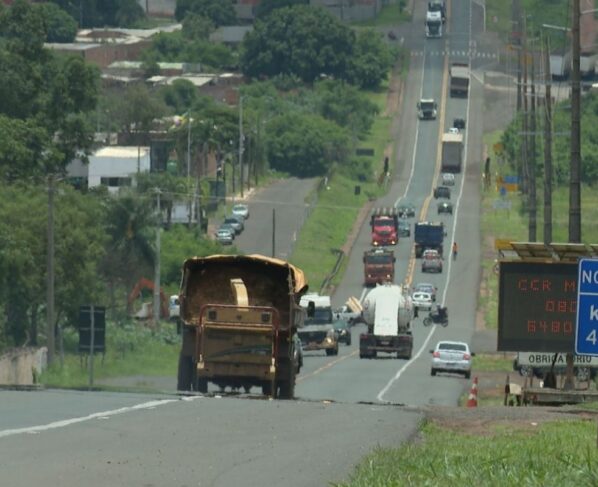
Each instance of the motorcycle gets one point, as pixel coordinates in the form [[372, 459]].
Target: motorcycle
[[434, 317]]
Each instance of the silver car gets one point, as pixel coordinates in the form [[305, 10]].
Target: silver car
[[241, 210], [224, 236], [431, 261], [453, 357]]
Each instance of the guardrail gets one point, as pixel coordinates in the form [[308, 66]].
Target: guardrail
[[337, 265]]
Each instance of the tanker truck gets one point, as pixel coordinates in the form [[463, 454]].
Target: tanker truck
[[387, 312], [239, 316]]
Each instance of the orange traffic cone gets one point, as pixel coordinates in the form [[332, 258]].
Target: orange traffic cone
[[472, 399]]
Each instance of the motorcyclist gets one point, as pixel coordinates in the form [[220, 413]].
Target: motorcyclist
[[441, 313]]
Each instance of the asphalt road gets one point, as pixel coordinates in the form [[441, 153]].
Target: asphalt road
[[342, 410]]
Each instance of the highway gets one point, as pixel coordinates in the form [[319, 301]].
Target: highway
[[345, 406]]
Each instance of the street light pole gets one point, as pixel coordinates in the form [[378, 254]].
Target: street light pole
[[575, 176], [156, 304]]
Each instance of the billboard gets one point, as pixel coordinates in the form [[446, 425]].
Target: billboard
[[537, 306]]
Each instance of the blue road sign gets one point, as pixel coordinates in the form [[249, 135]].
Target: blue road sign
[[586, 330]]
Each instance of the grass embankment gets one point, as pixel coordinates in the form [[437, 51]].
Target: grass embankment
[[131, 349], [390, 15], [337, 208], [550, 454]]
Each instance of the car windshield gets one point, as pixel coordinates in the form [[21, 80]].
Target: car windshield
[[321, 316], [240, 208], [459, 347], [421, 296], [427, 105], [378, 259]]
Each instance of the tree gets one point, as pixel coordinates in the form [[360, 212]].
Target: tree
[[197, 27], [303, 41], [305, 145], [265, 7], [128, 12], [220, 12], [371, 60], [180, 95], [100, 13], [139, 109], [60, 26]]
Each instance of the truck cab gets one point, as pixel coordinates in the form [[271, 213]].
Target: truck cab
[[318, 332], [433, 24], [384, 223], [378, 266], [427, 109]]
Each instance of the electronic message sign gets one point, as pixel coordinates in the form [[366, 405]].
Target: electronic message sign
[[537, 306]]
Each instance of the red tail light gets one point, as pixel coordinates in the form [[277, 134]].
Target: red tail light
[[466, 356], [436, 354]]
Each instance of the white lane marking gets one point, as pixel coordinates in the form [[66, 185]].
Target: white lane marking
[[399, 372], [68, 422]]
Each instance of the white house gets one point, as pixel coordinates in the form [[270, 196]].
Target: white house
[[116, 166]]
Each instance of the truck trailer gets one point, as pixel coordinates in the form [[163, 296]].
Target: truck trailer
[[239, 314], [428, 236], [387, 312], [452, 152], [459, 79]]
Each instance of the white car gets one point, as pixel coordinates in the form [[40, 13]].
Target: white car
[[241, 210], [174, 307], [453, 130], [421, 300], [452, 357], [448, 179]]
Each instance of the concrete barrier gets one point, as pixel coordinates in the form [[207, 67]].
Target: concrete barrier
[[22, 366]]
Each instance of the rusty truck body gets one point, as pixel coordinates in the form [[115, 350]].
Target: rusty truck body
[[239, 315]]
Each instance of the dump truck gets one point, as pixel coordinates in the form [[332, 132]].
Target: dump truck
[[452, 152], [384, 223], [378, 266], [387, 312], [239, 316], [459, 79], [318, 330], [428, 236]]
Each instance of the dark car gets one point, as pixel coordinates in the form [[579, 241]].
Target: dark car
[[404, 228], [343, 331], [442, 192], [459, 123], [406, 210], [234, 222], [445, 207]]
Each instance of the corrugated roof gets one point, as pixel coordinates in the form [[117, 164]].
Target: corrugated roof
[[122, 152]]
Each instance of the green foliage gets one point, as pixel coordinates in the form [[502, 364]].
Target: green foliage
[[60, 26], [549, 454], [304, 41], [180, 95], [197, 26], [512, 141], [186, 47], [345, 105], [101, 13], [79, 245], [371, 60], [305, 145], [138, 109], [220, 12], [265, 7]]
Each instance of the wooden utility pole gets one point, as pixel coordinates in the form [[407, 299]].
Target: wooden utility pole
[[547, 146], [575, 178], [50, 272], [156, 303], [525, 145], [532, 159]]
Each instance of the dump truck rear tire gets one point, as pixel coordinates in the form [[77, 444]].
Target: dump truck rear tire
[[185, 373], [201, 385]]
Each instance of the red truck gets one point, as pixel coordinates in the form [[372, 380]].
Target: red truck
[[384, 223], [378, 266]]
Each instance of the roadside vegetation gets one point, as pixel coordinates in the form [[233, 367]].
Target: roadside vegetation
[[527, 453]]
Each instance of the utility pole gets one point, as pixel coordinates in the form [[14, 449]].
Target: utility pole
[[575, 169], [273, 232], [525, 145], [516, 20], [50, 271], [547, 147], [156, 303], [532, 237], [189, 167], [241, 97]]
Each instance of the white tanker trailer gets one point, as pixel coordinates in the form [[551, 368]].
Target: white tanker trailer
[[387, 312]]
